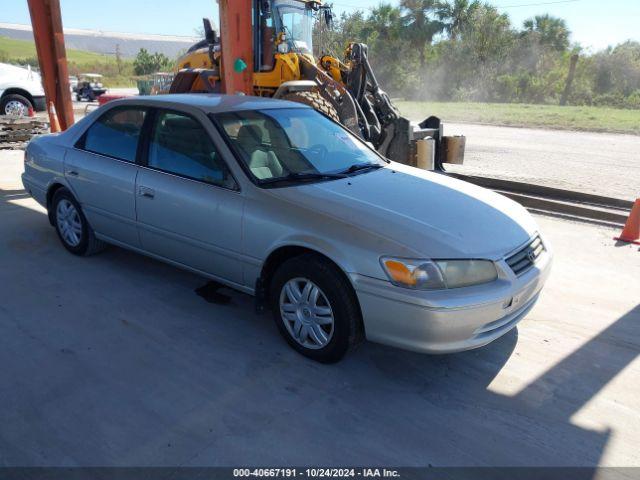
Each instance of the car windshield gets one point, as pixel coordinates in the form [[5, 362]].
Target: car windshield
[[295, 144]]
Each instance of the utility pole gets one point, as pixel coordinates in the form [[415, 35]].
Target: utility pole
[[119, 59]]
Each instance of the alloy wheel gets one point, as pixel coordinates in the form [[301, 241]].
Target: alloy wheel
[[306, 313], [69, 223], [16, 108]]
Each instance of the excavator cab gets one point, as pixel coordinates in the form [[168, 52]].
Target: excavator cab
[[287, 23]]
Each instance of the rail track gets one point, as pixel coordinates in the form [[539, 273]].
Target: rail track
[[558, 202]]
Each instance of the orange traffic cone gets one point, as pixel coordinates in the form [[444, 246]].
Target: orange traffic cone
[[631, 231], [53, 119]]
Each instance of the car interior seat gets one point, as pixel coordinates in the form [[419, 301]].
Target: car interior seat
[[261, 160]]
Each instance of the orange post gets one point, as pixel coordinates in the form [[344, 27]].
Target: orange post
[[236, 37], [631, 231], [46, 20]]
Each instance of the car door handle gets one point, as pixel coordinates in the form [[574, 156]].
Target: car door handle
[[72, 173], [146, 192]]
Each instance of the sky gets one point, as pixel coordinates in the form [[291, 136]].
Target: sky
[[595, 24]]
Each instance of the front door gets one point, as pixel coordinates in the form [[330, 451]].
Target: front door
[[189, 208]]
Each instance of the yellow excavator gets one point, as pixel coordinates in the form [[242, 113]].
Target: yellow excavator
[[266, 49]]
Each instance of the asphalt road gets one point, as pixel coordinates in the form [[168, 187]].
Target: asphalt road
[[113, 360], [599, 163]]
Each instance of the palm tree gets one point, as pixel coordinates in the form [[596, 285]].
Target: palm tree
[[457, 15], [421, 25], [385, 20], [552, 31]]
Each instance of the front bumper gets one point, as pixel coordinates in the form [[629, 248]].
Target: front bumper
[[446, 321]]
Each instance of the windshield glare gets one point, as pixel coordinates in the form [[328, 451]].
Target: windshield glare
[[281, 143]]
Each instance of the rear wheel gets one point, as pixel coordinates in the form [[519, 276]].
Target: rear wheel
[[15, 105], [315, 308], [72, 227], [315, 101]]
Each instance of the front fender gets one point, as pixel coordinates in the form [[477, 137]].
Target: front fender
[[320, 245]]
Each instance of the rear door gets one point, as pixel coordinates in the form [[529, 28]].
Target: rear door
[[189, 207], [102, 172]]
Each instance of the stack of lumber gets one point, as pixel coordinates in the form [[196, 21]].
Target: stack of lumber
[[15, 132]]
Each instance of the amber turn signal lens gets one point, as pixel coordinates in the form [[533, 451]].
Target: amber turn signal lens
[[399, 272]]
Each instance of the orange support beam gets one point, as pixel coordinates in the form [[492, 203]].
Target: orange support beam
[[236, 37], [46, 19]]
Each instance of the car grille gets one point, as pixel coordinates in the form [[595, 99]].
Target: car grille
[[521, 261]]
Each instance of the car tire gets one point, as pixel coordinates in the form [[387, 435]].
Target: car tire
[[71, 225], [15, 104], [324, 321]]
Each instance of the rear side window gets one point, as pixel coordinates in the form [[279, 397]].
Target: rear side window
[[116, 133], [180, 145]]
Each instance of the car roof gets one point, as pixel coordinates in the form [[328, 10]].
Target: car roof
[[210, 103]]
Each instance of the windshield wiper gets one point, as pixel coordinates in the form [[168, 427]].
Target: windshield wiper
[[356, 167], [297, 176]]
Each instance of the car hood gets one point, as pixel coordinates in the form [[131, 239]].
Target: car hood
[[428, 213]]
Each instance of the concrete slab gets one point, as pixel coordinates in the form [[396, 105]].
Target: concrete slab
[[113, 360]]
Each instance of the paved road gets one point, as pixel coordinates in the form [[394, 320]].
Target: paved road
[[600, 163], [114, 360]]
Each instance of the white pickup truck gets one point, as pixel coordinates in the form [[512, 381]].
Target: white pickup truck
[[20, 89]]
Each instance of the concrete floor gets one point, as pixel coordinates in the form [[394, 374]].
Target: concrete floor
[[114, 360]]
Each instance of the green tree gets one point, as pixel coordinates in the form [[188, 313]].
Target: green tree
[[551, 31], [421, 24], [457, 15], [146, 63]]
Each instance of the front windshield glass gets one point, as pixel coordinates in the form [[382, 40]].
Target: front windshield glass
[[292, 144], [296, 21]]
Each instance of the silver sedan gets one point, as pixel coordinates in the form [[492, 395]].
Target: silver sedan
[[273, 199]]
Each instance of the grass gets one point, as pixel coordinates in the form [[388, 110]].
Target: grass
[[80, 61], [594, 119], [23, 49]]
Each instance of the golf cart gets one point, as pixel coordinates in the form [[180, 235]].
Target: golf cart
[[89, 87]]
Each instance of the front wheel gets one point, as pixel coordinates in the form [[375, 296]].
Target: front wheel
[[15, 105], [315, 308]]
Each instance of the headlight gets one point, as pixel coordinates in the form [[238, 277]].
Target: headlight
[[438, 274]]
